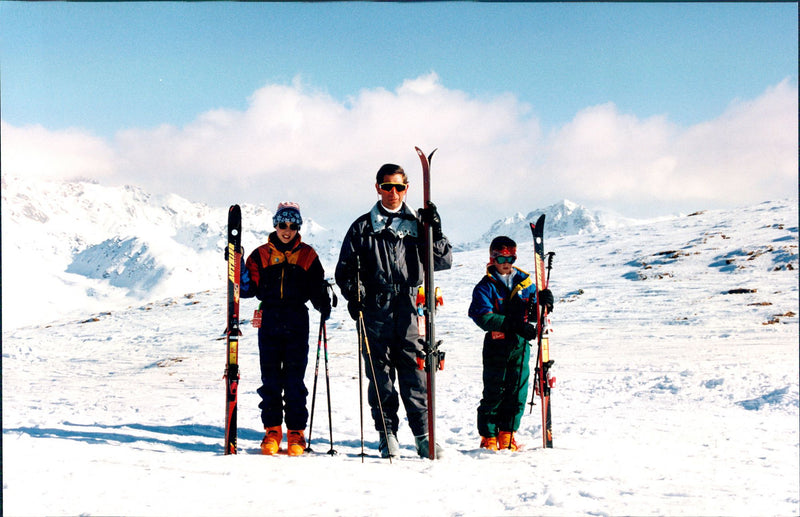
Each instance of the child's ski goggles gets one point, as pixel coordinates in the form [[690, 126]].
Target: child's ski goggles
[[505, 259]]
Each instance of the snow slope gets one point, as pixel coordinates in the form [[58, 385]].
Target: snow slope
[[676, 349]]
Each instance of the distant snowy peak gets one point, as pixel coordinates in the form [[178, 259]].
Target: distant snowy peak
[[563, 218]]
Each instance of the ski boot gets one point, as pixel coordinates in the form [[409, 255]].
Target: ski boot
[[388, 445], [296, 443], [272, 440], [505, 440]]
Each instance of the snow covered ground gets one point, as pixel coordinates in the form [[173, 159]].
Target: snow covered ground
[[676, 356]]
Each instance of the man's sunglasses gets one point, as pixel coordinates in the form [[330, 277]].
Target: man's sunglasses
[[505, 259], [290, 226], [387, 187]]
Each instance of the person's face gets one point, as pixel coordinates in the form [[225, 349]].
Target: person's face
[[392, 199], [286, 232]]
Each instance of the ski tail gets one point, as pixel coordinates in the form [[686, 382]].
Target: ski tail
[[541, 381], [431, 345], [232, 331]]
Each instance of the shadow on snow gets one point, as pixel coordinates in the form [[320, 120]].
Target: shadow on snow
[[115, 434]]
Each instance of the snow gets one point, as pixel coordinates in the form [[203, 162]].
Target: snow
[[676, 356]]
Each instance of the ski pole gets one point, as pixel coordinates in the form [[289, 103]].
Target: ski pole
[[360, 388], [365, 340], [334, 302], [332, 451], [374, 383], [314, 391], [360, 353]]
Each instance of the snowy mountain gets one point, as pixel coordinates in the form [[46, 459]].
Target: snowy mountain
[[69, 245], [106, 248], [563, 218], [675, 348]]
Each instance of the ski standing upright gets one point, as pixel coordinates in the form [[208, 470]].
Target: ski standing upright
[[232, 332], [542, 382], [431, 347]]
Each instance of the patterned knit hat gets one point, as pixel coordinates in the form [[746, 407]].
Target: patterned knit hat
[[287, 212]]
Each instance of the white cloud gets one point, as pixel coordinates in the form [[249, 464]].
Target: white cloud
[[293, 142], [34, 151], [748, 154]]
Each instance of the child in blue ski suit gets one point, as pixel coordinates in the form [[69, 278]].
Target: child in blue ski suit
[[500, 306]]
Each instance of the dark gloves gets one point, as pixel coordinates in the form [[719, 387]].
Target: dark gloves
[[431, 216], [325, 312], [356, 295], [226, 253], [521, 328], [243, 271], [546, 300], [354, 307]]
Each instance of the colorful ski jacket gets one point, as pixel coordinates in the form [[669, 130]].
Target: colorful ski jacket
[[493, 301], [285, 275]]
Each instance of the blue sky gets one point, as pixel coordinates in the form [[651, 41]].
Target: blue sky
[[104, 77]]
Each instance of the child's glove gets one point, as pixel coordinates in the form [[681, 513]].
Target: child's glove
[[546, 299], [526, 331], [325, 312]]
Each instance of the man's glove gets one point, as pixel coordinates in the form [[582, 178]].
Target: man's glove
[[527, 331], [354, 307], [546, 300], [356, 293], [431, 216]]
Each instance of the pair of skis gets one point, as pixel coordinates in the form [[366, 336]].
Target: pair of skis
[[432, 359], [232, 332], [542, 382]]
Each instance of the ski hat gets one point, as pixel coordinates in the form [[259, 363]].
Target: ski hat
[[287, 212], [502, 246]]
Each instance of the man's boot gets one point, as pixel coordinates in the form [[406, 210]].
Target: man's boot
[[423, 447], [388, 445]]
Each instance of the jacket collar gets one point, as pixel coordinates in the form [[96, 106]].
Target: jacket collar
[[400, 224]]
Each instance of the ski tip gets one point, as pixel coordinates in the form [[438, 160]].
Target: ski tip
[[422, 154]]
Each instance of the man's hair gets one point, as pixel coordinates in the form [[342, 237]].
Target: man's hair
[[502, 242], [387, 169]]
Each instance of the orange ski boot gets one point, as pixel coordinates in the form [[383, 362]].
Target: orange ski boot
[[296, 443], [505, 440], [489, 442], [272, 440]]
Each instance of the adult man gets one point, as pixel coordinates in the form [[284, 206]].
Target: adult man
[[379, 271]]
